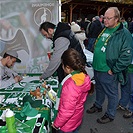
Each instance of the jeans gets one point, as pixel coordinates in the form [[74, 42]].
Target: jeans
[[75, 131], [91, 42], [131, 95], [127, 93], [106, 86]]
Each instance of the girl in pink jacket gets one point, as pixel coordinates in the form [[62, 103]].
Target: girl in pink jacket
[[75, 87]]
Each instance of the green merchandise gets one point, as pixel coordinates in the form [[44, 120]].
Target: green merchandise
[[28, 110], [10, 121]]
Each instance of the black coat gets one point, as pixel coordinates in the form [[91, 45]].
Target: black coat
[[94, 29]]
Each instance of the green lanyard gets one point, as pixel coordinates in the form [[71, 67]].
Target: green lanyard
[[107, 39]]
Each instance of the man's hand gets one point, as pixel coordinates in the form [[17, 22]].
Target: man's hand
[[110, 72], [17, 78], [40, 77]]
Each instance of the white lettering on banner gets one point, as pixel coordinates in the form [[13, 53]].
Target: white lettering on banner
[[42, 4]]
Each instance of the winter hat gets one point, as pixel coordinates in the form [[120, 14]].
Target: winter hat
[[97, 17], [75, 27]]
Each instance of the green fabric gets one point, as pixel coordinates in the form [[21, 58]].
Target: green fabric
[[21, 127], [18, 116], [32, 123], [75, 72], [3, 129], [45, 113], [24, 128], [28, 110], [99, 59], [120, 57], [59, 91], [23, 97], [33, 102], [130, 68]]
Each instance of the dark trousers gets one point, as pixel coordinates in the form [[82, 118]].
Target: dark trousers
[[106, 85], [75, 131], [60, 74], [60, 131]]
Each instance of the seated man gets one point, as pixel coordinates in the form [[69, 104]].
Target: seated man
[[7, 75]]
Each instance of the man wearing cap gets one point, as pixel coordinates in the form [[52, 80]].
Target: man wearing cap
[[7, 75]]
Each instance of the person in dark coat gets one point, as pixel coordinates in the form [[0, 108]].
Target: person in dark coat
[[94, 29], [63, 38]]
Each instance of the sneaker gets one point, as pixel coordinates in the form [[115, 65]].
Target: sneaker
[[128, 114], [105, 119], [119, 107], [93, 109]]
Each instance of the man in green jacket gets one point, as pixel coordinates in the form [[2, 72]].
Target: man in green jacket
[[112, 56], [127, 93]]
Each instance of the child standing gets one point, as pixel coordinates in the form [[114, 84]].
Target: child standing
[[75, 87]]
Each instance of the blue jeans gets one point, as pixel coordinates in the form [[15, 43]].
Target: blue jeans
[[131, 97], [106, 86], [127, 93], [75, 131], [91, 42]]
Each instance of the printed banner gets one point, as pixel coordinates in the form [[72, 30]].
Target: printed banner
[[19, 31]]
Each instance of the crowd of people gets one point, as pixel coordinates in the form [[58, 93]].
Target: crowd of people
[[112, 44], [110, 68], [110, 38]]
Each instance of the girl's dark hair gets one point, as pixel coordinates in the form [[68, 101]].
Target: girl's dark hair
[[73, 59], [46, 25]]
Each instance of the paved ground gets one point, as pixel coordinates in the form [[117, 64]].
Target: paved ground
[[119, 125]]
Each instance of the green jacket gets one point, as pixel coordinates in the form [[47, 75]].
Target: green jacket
[[119, 53], [130, 68]]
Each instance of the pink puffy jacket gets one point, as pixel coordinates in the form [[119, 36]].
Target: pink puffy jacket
[[71, 106]]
